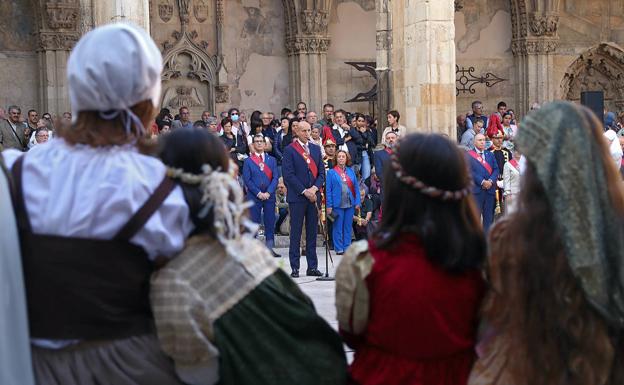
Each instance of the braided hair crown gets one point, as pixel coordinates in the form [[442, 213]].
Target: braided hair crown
[[418, 185]]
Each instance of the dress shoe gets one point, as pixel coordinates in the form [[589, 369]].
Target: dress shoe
[[275, 255], [314, 273], [295, 273]]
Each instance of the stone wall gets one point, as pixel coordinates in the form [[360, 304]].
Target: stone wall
[[20, 74], [483, 43], [352, 30]]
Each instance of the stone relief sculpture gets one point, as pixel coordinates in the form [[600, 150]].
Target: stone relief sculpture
[[165, 10], [187, 96], [599, 69], [478, 15], [200, 10], [62, 15], [184, 7], [255, 24]]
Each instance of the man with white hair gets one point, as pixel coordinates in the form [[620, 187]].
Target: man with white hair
[[484, 170]]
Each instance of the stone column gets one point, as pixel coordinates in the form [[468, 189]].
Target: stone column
[[423, 55], [384, 58], [58, 33], [534, 61], [135, 11]]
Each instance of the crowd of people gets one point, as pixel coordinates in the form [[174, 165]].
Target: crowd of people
[[130, 249]]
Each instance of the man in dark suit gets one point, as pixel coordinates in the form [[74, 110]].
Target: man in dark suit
[[304, 175], [382, 157], [484, 170], [260, 176]]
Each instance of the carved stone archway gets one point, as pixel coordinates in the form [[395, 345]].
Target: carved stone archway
[[600, 68]]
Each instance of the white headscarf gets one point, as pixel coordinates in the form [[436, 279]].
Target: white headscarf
[[111, 69], [614, 147]]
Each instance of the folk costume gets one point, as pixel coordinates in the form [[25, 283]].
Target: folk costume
[[343, 195], [227, 314], [401, 333], [15, 358], [87, 256], [591, 231]]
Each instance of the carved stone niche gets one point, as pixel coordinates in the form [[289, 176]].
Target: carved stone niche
[[222, 94], [57, 41], [314, 21], [62, 14], [599, 69]]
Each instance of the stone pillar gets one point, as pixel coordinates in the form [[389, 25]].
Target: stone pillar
[[534, 61], [58, 33], [308, 71], [135, 11], [384, 58], [423, 55]]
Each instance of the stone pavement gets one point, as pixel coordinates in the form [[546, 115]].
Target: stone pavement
[[322, 293]]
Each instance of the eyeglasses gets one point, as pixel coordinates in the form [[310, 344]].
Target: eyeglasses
[[497, 137], [259, 141], [234, 113]]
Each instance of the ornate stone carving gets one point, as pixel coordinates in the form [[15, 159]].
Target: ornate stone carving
[[165, 10], [599, 69], [543, 25], [184, 10], [299, 45], [314, 21], [384, 40], [222, 94], [57, 41], [62, 14], [220, 13], [182, 96], [533, 47], [200, 9]]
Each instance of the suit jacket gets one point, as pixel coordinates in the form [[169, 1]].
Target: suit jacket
[[334, 189], [479, 173], [8, 138], [381, 159], [257, 181], [297, 175]]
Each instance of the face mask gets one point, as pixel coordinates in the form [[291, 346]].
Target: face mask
[[234, 118]]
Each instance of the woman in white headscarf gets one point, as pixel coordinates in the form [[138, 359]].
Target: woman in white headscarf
[[615, 149], [88, 254]]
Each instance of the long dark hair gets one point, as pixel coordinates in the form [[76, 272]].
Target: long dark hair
[[189, 150], [450, 231], [537, 305]]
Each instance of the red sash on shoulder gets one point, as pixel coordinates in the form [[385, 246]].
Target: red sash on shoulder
[[388, 150], [263, 167], [482, 161], [515, 164], [306, 157], [345, 179]]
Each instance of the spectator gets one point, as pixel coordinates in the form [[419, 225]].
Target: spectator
[[199, 124], [302, 108], [461, 126], [429, 241], [495, 122], [282, 206], [615, 150], [363, 217], [12, 131], [212, 125], [477, 113], [233, 143], [31, 122], [366, 146], [393, 124], [509, 131], [315, 137], [184, 121], [555, 266], [511, 182], [343, 198], [467, 140], [328, 114], [41, 134]]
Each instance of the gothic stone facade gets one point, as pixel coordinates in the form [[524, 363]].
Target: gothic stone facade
[[266, 54]]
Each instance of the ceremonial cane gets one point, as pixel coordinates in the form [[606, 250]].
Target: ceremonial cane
[[328, 256]]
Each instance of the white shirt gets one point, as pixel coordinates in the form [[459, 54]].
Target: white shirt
[[81, 191]]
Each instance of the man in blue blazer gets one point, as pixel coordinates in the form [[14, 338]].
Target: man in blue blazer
[[304, 175], [260, 176], [484, 170], [382, 157]]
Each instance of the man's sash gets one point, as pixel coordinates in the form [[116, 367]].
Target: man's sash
[[388, 150], [345, 179], [482, 161], [515, 164], [308, 159], [263, 166]]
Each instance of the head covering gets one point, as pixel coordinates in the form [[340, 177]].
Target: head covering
[[614, 147], [557, 140], [329, 142], [111, 69], [609, 119]]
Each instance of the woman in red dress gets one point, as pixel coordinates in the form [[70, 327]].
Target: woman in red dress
[[408, 299]]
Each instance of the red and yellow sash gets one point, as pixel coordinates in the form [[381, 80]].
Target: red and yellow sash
[[311, 165], [345, 179], [263, 166], [515, 164], [481, 160]]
